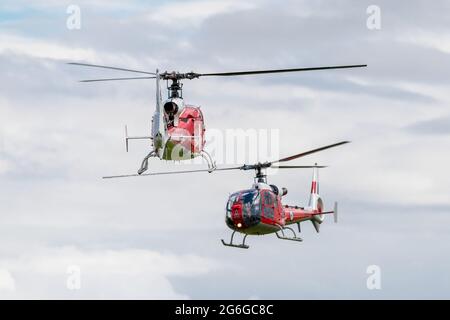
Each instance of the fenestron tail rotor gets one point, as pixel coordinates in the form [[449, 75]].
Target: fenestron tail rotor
[[258, 167]]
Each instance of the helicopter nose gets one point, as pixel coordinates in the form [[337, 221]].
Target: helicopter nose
[[236, 215]]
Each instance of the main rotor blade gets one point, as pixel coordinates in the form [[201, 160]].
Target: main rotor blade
[[108, 67], [114, 79], [310, 152], [297, 167], [241, 73], [170, 172]]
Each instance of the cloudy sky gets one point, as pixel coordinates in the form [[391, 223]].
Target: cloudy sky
[[159, 237]]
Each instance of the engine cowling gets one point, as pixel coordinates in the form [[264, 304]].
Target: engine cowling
[[276, 190], [171, 108]]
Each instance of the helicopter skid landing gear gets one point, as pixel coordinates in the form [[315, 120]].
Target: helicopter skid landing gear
[[211, 164], [144, 165], [284, 237], [231, 244]]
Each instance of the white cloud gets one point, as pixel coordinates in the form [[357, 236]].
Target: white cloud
[[43, 49], [59, 137], [5, 166], [180, 14], [438, 41], [16, 45], [109, 274], [7, 282]]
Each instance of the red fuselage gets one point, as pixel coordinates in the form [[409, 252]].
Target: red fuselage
[[260, 211], [187, 135]]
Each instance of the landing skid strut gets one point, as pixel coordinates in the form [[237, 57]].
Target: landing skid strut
[[231, 244], [211, 164], [144, 165], [284, 237]]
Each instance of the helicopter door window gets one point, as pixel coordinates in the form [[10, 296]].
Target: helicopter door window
[[268, 205], [256, 206], [268, 199], [279, 208], [250, 211]]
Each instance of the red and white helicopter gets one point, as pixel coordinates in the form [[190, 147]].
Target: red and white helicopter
[[178, 129], [259, 210]]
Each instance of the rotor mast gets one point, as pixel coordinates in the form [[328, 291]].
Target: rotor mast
[[260, 177], [175, 89]]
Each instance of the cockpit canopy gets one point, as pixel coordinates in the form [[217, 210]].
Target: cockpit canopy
[[249, 200], [190, 113], [247, 207]]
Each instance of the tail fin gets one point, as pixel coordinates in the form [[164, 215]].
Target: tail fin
[[316, 225], [314, 196], [315, 202]]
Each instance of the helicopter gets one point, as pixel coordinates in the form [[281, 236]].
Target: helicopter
[[178, 129], [259, 210]]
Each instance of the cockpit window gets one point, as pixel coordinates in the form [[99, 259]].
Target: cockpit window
[[268, 205], [230, 203], [251, 204], [247, 202], [268, 198], [256, 208], [185, 117], [250, 200]]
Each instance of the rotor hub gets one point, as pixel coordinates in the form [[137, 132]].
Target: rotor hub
[[175, 75]]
